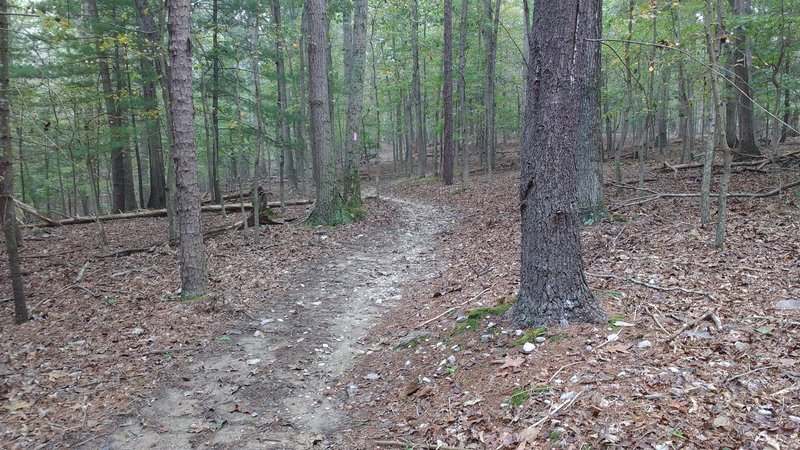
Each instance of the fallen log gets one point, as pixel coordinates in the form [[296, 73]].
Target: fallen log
[[158, 213]]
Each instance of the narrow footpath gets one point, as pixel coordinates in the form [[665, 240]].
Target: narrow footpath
[[278, 383]]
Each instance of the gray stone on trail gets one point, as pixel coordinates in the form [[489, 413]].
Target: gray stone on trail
[[645, 344], [461, 319], [486, 338], [372, 376], [540, 339]]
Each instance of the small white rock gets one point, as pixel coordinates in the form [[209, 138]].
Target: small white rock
[[372, 376], [645, 344], [528, 347], [253, 362], [540, 339]]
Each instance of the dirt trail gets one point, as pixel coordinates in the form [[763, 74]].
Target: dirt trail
[[273, 386]]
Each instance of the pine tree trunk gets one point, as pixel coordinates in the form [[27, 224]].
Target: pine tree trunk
[[553, 288], [192, 249]]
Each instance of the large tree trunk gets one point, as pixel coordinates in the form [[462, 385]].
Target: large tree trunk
[[447, 152], [116, 122], [748, 147], [152, 36], [553, 288], [355, 100], [192, 251], [589, 141], [328, 206], [7, 175]]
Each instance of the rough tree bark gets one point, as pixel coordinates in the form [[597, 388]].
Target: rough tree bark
[[7, 176], [591, 206], [328, 208], [553, 288], [192, 251], [447, 152]]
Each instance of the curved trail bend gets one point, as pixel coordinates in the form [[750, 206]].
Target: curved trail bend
[[274, 386]]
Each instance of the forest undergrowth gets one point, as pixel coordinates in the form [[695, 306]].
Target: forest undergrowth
[[700, 350]]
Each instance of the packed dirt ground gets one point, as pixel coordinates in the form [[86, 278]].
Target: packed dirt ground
[[395, 331]]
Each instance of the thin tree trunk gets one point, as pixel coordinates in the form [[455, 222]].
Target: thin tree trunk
[[491, 20], [447, 151], [355, 99], [748, 148], [716, 140], [192, 249], [462, 96], [115, 119], [152, 123], [215, 182], [416, 95], [591, 206]]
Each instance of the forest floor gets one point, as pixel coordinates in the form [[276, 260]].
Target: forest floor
[[396, 329]]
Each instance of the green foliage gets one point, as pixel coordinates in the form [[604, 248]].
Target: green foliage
[[531, 335], [475, 316], [518, 397]]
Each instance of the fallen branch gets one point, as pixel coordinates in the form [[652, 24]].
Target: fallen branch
[[7, 299], [659, 195], [531, 431], [708, 315], [156, 245], [31, 210], [159, 352], [407, 444], [159, 213], [757, 369], [653, 286]]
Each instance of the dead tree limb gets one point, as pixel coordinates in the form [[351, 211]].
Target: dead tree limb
[[768, 192], [157, 213], [708, 315]]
